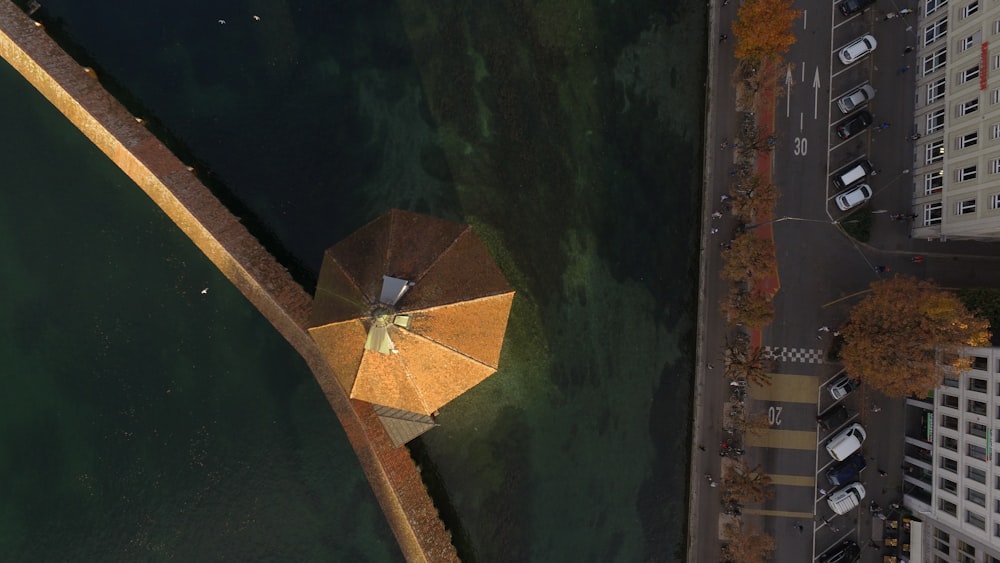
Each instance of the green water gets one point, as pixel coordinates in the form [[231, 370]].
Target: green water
[[568, 132], [141, 419]]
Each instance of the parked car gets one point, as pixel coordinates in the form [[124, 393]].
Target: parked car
[[847, 498], [847, 470], [853, 197], [833, 418], [846, 442], [851, 7], [842, 386], [847, 552], [854, 125], [857, 98], [857, 49], [852, 173]]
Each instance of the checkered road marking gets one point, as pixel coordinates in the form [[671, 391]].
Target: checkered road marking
[[801, 355]]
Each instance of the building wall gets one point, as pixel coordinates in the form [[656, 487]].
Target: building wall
[[964, 488], [956, 169]]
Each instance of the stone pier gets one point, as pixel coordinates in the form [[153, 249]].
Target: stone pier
[[78, 94]]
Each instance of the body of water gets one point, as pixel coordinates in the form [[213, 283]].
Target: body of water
[[568, 133]]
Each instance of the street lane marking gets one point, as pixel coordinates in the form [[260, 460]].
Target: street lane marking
[[786, 354], [787, 388], [786, 439], [794, 480], [779, 513]]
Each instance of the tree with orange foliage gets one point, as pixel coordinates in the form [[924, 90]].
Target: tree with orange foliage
[[763, 29], [745, 544], [749, 258], [749, 308], [753, 197], [906, 336]]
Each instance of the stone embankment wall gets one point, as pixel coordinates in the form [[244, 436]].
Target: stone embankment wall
[[77, 93]]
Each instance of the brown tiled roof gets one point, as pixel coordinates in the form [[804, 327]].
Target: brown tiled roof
[[458, 309]]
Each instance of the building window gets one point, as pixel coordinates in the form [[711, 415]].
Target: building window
[[949, 443], [979, 363], [969, 106], [947, 507], [975, 452], [932, 216], [968, 140], [995, 204], [996, 27], [973, 406], [970, 8], [975, 519], [996, 131], [977, 430], [964, 44], [935, 121], [935, 60], [947, 485], [932, 6], [964, 175], [950, 401], [977, 475], [949, 464], [996, 96], [934, 182], [935, 90], [935, 31], [978, 385], [968, 74], [975, 497], [995, 167]]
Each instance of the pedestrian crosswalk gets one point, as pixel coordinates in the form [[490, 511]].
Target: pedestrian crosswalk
[[801, 355]]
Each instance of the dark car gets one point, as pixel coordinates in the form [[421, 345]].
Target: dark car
[[847, 552], [833, 418], [849, 7], [847, 470], [854, 125]]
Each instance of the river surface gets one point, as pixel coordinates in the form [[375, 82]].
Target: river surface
[[567, 132]]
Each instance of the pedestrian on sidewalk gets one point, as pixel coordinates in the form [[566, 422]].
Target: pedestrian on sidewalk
[[713, 484], [717, 215], [800, 528], [882, 472], [714, 230], [723, 198], [723, 37], [917, 259], [907, 50], [823, 329], [882, 269], [876, 408], [701, 447], [905, 11], [903, 69]]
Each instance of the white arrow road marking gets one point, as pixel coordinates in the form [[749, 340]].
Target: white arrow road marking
[[816, 86], [788, 91]]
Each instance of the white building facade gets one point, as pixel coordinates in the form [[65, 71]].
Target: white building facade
[[951, 477], [956, 169]]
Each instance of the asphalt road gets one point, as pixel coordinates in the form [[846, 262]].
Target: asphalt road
[[823, 272]]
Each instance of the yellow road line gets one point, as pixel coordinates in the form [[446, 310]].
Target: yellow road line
[[782, 513], [788, 388], [788, 439], [846, 297], [794, 480]]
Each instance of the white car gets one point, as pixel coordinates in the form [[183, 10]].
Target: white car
[[857, 49], [841, 387], [857, 98], [853, 197], [846, 442], [847, 499]]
